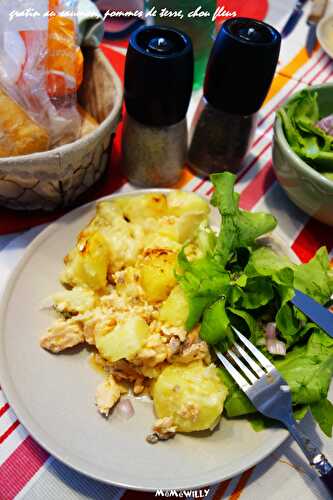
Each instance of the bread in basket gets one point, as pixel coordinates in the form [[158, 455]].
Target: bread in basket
[[55, 178]]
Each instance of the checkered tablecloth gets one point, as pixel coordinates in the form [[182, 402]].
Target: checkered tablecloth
[[29, 472]]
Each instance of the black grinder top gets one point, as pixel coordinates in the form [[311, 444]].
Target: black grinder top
[[158, 75], [241, 66]]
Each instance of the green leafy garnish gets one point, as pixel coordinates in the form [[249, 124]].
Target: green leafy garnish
[[238, 282], [323, 414], [300, 118]]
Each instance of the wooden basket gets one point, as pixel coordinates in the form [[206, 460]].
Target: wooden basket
[[55, 178]]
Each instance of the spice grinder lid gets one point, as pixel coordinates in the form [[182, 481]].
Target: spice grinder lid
[[241, 65], [158, 75]]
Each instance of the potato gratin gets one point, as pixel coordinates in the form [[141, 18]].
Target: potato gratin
[[123, 298]]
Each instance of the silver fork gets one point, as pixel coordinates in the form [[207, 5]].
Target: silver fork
[[270, 395]]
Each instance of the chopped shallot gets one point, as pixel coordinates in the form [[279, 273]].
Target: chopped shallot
[[326, 124], [125, 408], [274, 346]]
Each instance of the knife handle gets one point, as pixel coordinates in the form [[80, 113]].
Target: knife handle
[[318, 10], [327, 479]]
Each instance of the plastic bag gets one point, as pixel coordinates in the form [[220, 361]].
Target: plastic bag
[[41, 67]]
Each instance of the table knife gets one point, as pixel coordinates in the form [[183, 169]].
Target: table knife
[[293, 19], [315, 311], [318, 10]]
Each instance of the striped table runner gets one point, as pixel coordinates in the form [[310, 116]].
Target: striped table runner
[[27, 471]]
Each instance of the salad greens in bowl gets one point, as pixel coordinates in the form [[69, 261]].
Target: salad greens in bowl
[[303, 150]]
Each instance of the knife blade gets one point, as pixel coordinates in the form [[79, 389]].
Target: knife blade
[[293, 19], [315, 311], [318, 10]]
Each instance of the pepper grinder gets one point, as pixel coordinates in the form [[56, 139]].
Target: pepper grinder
[[158, 87], [239, 74]]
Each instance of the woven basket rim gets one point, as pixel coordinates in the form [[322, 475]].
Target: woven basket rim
[[79, 143]]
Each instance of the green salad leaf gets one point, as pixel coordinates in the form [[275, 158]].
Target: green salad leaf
[[239, 282], [206, 281], [308, 369], [257, 293], [203, 282], [265, 262], [238, 227], [300, 117], [314, 278], [323, 414], [259, 422], [215, 328]]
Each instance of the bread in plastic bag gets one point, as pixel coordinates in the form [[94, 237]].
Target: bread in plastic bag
[[19, 134], [41, 69]]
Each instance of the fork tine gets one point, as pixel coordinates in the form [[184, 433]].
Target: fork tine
[[257, 368], [252, 378], [258, 355], [239, 379]]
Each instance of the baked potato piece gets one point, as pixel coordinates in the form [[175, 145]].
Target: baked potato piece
[[174, 310], [75, 301], [138, 208], [124, 341], [180, 228], [182, 202], [123, 245], [87, 264], [192, 395], [157, 276]]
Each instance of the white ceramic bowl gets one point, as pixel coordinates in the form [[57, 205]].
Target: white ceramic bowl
[[325, 34]]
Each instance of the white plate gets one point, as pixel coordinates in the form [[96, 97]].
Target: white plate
[[325, 34], [53, 395]]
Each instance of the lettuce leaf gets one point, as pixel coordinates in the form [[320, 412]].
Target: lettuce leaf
[[265, 262], [308, 371], [300, 120], [257, 293], [323, 414], [207, 280], [292, 324], [259, 422], [203, 282], [215, 328], [314, 277], [238, 227], [240, 283]]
